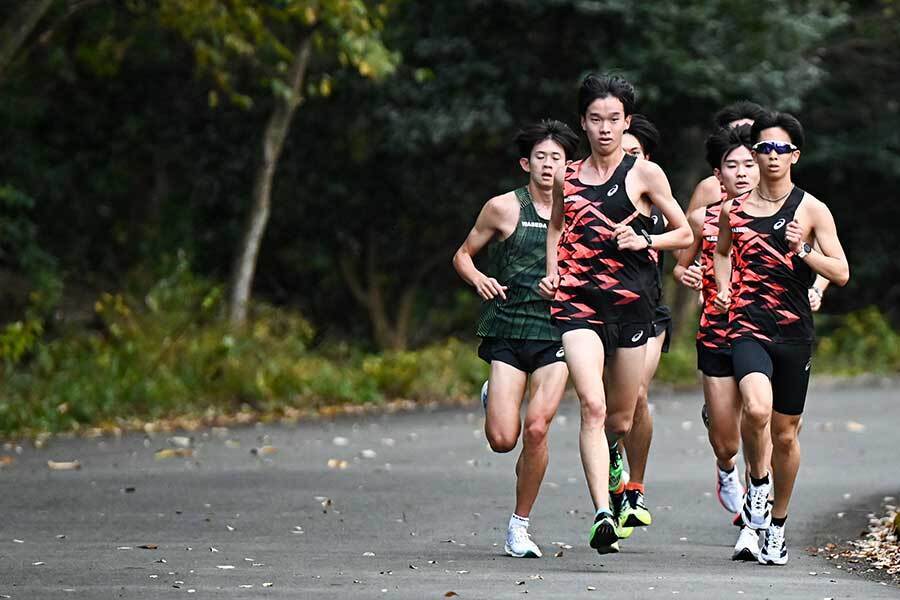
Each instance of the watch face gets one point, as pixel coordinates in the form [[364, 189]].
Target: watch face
[[807, 248]]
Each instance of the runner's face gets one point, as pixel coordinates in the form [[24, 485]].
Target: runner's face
[[546, 157], [739, 172], [774, 166], [632, 146], [604, 121]]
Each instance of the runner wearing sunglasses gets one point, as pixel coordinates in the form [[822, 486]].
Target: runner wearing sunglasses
[[768, 237], [602, 279]]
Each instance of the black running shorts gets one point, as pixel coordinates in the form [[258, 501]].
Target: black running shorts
[[786, 365], [613, 335], [714, 363], [662, 323], [524, 355]]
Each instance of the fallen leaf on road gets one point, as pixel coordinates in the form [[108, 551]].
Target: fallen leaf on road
[[181, 441], [367, 453], [125, 548], [128, 490], [536, 577], [148, 547], [38, 563], [413, 567], [591, 588], [450, 594], [267, 584], [173, 453], [232, 443], [5, 461], [520, 582], [65, 465], [229, 528], [224, 567], [340, 441], [246, 586], [334, 463], [558, 554], [17, 541], [463, 572], [854, 427], [264, 450], [368, 554], [326, 504]]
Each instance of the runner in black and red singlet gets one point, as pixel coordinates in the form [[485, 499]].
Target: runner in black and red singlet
[[602, 281], [642, 139], [770, 233], [728, 153]]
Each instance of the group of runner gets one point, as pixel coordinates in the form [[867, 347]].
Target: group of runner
[[573, 289]]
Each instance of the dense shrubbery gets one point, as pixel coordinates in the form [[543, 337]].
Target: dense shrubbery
[[170, 353]]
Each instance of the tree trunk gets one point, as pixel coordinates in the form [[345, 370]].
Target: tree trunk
[[20, 25], [272, 143]]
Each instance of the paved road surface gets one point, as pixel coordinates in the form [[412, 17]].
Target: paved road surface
[[431, 480]]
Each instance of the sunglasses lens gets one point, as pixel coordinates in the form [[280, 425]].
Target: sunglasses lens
[[778, 147]]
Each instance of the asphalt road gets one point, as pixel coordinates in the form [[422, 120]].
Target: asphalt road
[[419, 511]]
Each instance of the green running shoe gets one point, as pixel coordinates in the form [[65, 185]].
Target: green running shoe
[[634, 513], [616, 466], [603, 534], [616, 504]]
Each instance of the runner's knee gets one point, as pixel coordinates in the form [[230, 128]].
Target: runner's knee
[[536, 431], [756, 412], [724, 447], [502, 442], [784, 439], [619, 424], [593, 411]]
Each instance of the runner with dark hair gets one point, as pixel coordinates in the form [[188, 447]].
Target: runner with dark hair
[[519, 340]]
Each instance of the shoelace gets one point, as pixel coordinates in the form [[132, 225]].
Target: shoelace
[[520, 535], [638, 500], [775, 538], [759, 498]]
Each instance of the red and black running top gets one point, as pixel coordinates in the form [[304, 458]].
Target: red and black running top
[[714, 329], [598, 282], [770, 301]]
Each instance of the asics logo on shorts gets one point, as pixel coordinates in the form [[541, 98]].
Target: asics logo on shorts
[[561, 352], [613, 190], [637, 336], [779, 224], [808, 365]]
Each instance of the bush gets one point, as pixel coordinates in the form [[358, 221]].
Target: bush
[[859, 342]]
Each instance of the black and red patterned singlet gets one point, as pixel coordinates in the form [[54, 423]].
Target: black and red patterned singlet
[[771, 301], [599, 283], [714, 329]]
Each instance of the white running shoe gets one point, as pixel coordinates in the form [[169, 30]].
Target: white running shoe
[[747, 546], [520, 545], [756, 512], [774, 549], [729, 489], [484, 394]]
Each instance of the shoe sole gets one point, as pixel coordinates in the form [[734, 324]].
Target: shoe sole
[[633, 520], [745, 554], [770, 562], [528, 554], [604, 539]]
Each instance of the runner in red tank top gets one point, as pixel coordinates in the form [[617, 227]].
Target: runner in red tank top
[[772, 232], [728, 152], [596, 276]]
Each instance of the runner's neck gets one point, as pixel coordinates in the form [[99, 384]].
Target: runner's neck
[[541, 198]]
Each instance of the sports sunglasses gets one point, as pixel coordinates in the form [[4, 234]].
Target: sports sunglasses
[[767, 146]]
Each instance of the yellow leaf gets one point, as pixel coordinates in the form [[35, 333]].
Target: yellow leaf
[[310, 15]]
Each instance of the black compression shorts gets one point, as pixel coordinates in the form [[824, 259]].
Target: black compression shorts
[[662, 323], [786, 365]]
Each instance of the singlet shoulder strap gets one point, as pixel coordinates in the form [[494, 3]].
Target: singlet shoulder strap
[[794, 199], [524, 197]]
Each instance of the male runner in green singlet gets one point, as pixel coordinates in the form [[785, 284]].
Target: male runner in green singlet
[[518, 338]]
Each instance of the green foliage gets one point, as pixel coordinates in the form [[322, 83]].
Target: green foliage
[[859, 342], [168, 352], [679, 366]]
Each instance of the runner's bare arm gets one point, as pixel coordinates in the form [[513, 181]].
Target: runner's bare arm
[[708, 191], [817, 222], [658, 190], [489, 223], [547, 286], [686, 271], [722, 258]]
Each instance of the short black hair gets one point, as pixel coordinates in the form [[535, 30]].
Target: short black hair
[[602, 86], [535, 133], [646, 133], [785, 121], [725, 141], [742, 109]]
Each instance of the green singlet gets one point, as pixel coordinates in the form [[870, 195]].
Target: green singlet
[[519, 262]]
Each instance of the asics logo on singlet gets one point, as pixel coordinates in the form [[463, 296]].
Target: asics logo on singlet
[[637, 336], [808, 365], [779, 224], [613, 190], [561, 352], [535, 224], [655, 219]]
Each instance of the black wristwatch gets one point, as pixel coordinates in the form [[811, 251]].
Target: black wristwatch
[[647, 237], [806, 249]]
